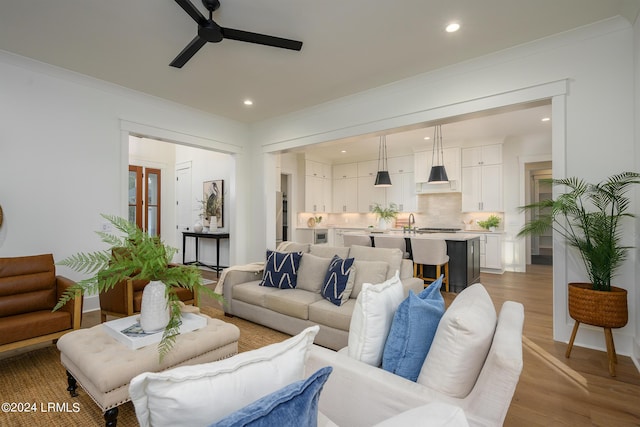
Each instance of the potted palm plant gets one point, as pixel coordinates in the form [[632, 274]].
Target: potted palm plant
[[588, 216], [385, 215], [138, 256]]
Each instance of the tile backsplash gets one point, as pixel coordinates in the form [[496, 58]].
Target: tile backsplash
[[434, 210]]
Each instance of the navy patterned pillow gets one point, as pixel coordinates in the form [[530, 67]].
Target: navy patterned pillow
[[281, 269], [338, 282]]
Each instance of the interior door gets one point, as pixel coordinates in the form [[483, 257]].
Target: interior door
[[135, 195]]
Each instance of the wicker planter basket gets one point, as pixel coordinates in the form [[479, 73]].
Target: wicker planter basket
[[598, 308]]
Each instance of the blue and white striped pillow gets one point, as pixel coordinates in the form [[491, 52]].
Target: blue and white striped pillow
[[281, 269], [338, 282]]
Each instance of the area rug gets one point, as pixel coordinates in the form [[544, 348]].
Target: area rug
[[34, 384]]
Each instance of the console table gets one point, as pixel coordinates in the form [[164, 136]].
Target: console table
[[196, 236]]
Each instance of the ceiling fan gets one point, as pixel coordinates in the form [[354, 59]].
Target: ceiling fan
[[209, 31]]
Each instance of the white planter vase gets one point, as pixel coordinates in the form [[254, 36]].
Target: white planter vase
[[154, 312], [213, 225], [383, 224]]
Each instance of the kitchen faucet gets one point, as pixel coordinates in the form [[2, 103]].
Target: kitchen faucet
[[412, 220]]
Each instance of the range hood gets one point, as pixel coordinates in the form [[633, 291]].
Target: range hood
[[452, 186]]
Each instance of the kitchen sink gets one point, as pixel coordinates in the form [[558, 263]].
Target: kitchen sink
[[427, 230]]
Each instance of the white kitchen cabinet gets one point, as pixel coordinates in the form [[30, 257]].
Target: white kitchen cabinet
[[317, 189], [317, 169], [482, 179], [422, 169], [401, 164], [368, 195], [482, 189], [483, 155], [491, 252], [346, 170], [368, 168], [402, 192], [345, 195]]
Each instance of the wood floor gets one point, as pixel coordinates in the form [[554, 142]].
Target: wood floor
[[554, 390]]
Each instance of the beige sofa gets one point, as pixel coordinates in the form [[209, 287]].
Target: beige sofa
[[292, 310]]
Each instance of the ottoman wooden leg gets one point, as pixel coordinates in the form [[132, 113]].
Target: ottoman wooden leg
[[111, 417], [73, 385]]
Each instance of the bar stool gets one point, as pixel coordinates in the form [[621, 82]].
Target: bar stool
[[391, 242], [356, 239], [430, 252]]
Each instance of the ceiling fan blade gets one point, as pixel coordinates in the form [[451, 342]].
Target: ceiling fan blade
[[246, 36], [188, 52], [192, 11]]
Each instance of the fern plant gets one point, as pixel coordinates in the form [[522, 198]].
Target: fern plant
[[135, 255], [385, 213], [588, 217]]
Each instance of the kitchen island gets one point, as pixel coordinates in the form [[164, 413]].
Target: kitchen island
[[463, 250]]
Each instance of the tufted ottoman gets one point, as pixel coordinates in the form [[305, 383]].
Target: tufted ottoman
[[104, 367]]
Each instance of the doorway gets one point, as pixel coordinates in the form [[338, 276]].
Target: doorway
[[283, 218], [540, 248]]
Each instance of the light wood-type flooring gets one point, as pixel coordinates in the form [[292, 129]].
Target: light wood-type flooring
[[554, 390]]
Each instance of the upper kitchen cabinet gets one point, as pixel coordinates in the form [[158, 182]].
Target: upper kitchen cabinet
[[368, 195], [402, 164], [482, 156], [402, 192], [482, 179], [317, 189], [422, 168], [345, 187]]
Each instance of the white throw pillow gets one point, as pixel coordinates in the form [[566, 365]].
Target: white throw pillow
[[461, 343], [371, 319], [199, 395]]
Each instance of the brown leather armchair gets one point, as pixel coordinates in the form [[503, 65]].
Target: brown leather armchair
[[29, 289], [125, 299]]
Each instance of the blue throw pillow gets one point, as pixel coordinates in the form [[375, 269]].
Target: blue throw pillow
[[338, 282], [293, 405], [412, 330], [281, 270]]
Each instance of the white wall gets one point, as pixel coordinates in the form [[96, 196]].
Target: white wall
[[593, 122], [208, 166], [63, 156]]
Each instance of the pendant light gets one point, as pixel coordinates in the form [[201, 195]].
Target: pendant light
[[382, 177], [438, 174]]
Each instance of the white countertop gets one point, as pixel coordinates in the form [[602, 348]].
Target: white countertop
[[446, 236]]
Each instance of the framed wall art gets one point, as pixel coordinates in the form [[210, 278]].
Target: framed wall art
[[213, 192]]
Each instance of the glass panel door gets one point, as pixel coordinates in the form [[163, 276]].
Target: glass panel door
[[152, 210], [135, 195]]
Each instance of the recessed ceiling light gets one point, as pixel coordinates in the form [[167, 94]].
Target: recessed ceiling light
[[546, 119], [453, 27], [248, 102], [343, 151], [427, 138]]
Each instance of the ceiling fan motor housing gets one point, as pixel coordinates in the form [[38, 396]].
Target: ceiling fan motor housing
[[210, 32]]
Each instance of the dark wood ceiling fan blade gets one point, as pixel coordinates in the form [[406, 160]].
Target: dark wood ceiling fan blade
[[246, 36], [192, 11], [188, 52]]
